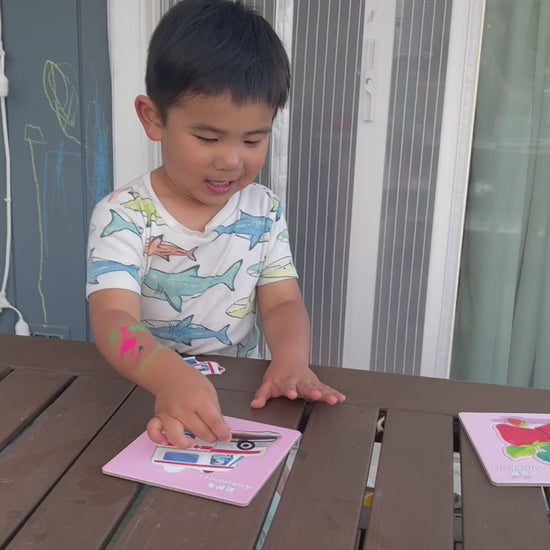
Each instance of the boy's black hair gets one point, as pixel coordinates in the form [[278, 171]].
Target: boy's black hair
[[213, 47]]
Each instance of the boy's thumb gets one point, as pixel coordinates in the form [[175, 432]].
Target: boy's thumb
[[261, 397], [257, 403]]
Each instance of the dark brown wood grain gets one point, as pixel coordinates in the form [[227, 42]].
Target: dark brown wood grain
[[23, 395], [413, 497], [423, 394], [33, 463], [52, 354], [64, 413], [85, 507], [499, 517], [322, 500]]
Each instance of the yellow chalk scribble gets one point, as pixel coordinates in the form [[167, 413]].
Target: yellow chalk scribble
[[62, 96], [33, 134]]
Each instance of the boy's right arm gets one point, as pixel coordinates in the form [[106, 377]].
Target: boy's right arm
[[185, 398]]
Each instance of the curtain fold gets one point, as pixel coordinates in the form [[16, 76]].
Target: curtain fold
[[502, 327]]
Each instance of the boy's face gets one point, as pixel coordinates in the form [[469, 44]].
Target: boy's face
[[212, 148]]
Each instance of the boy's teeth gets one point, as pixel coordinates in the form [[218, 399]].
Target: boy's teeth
[[219, 183]]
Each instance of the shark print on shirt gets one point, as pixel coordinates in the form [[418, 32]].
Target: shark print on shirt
[[155, 246], [241, 308], [177, 287], [282, 268], [185, 332], [97, 268], [254, 228], [244, 350], [146, 207], [118, 223]]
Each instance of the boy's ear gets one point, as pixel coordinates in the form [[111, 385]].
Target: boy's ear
[[149, 116]]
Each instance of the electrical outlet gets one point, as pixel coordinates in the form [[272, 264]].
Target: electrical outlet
[[51, 331]]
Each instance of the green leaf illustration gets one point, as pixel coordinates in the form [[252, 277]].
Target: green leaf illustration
[[544, 454], [525, 451]]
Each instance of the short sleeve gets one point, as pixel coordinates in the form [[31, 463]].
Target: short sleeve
[[278, 263], [115, 256]]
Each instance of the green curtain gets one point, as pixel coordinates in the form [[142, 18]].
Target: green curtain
[[502, 325]]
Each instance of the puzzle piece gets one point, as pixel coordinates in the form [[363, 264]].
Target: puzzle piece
[[206, 367]]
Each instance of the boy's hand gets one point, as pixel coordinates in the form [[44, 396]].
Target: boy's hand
[[188, 402], [292, 382]]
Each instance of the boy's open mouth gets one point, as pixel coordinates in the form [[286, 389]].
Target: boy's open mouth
[[220, 186]]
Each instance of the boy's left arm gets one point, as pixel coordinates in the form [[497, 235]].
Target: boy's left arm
[[287, 331]]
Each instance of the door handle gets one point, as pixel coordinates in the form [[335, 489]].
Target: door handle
[[369, 80]]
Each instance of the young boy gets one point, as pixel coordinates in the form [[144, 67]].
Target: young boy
[[179, 260]]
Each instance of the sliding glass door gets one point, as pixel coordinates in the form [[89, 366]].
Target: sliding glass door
[[502, 326]]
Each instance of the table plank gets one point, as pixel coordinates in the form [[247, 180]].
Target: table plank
[[321, 503], [192, 522], [32, 464], [499, 517], [53, 354], [86, 506], [23, 395], [370, 389], [441, 396], [413, 496], [397, 391]]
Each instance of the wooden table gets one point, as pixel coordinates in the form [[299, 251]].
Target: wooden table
[[64, 413]]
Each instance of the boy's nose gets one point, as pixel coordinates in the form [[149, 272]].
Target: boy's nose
[[228, 159]]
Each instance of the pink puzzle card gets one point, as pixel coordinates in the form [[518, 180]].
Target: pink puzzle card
[[231, 472], [513, 448]]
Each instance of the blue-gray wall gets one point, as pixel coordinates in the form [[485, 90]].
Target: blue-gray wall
[[59, 120]]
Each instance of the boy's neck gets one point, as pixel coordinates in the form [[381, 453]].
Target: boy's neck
[[187, 211]]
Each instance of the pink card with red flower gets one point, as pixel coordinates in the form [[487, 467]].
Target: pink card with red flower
[[513, 448]]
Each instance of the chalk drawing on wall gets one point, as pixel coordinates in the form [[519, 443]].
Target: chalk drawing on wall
[[62, 96], [97, 155], [51, 184], [34, 136]]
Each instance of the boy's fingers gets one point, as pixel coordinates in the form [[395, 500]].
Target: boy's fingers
[[201, 430], [310, 390], [174, 432], [332, 396], [321, 392], [291, 393], [339, 396], [313, 394], [258, 403], [262, 395], [289, 389], [154, 431], [216, 425]]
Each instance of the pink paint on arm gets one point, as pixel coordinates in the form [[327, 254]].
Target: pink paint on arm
[[129, 343]]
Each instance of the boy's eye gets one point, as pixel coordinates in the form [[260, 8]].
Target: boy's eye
[[206, 140], [252, 143]]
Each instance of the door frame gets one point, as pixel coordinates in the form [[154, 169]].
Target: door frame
[[452, 185], [450, 196]]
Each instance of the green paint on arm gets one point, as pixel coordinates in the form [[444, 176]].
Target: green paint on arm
[[114, 337], [136, 328]]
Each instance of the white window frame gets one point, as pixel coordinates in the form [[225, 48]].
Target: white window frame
[[450, 196], [131, 23], [452, 185]]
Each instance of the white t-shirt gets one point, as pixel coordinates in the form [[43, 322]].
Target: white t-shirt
[[198, 289]]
